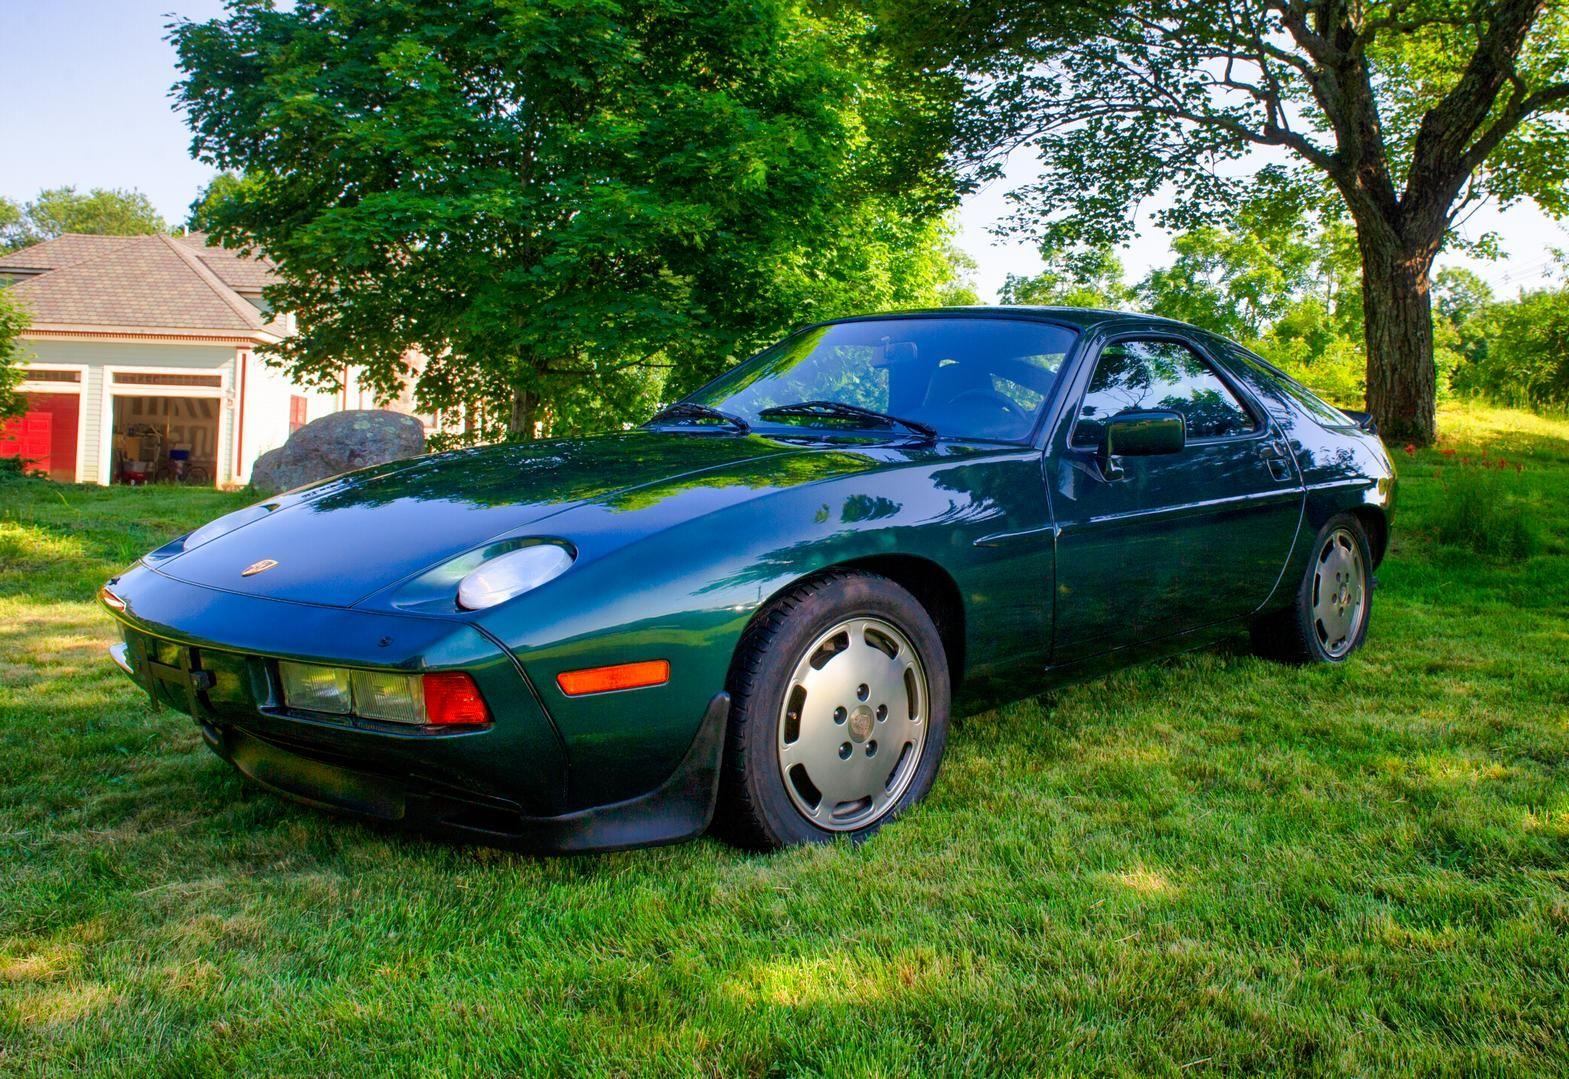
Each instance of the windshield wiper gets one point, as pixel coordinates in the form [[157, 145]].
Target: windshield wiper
[[692, 410], [839, 410]]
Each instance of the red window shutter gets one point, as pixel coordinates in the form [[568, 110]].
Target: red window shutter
[[297, 410]]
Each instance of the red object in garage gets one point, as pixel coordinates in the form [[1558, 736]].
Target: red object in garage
[[45, 435]]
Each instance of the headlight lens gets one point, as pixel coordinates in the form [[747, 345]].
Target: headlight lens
[[316, 689], [227, 523], [512, 574]]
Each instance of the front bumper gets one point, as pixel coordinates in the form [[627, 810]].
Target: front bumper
[[214, 656], [678, 809]]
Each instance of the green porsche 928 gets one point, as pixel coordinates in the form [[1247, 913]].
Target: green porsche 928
[[758, 611]]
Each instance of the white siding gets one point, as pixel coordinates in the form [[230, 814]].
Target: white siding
[[267, 394]]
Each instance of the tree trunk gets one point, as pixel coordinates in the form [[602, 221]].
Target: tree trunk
[[520, 424], [1402, 380]]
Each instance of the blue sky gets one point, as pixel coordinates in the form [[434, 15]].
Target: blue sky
[[87, 104]]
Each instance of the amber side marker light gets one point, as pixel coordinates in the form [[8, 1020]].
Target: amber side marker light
[[110, 600], [648, 672]]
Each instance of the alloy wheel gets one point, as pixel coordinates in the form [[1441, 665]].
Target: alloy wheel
[[1339, 593], [853, 724]]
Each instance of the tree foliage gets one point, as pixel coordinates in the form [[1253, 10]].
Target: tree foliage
[[1294, 299], [13, 320], [1291, 296], [1409, 110], [10, 224], [203, 213], [1076, 277], [571, 207], [1514, 351], [101, 211]]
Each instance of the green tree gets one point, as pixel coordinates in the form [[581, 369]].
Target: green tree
[[573, 207], [1073, 277], [13, 320], [100, 212], [1410, 110], [956, 269], [1462, 303], [1524, 359], [10, 224], [1271, 282], [1233, 282], [202, 216]]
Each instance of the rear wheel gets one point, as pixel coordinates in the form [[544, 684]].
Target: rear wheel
[[1334, 601], [840, 713]]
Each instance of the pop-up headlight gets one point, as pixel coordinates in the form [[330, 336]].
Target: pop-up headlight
[[512, 574]]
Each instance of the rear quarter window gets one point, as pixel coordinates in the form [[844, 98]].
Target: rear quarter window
[[1321, 410]]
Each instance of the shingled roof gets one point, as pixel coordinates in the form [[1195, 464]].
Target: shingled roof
[[138, 283], [62, 251], [245, 274]]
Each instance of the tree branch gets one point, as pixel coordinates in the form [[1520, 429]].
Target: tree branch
[[1440, 160], [1514, 114]]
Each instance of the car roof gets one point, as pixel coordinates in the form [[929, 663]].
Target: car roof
[[1081, 318]]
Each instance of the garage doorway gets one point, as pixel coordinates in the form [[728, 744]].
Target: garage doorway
[[165, 428]]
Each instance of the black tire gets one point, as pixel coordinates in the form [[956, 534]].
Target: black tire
[[1298, 634], [755, 809]]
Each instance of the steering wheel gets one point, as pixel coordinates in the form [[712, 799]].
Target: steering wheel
[[992, 397]]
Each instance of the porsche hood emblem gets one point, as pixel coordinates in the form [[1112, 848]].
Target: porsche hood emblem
[[258, 567]]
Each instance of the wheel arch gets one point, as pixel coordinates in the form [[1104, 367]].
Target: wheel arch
[[1376, 525], [932, 586]]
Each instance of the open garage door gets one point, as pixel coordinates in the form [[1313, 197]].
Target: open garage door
[[166, 439]]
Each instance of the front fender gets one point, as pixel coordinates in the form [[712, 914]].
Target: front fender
[[687, 592]]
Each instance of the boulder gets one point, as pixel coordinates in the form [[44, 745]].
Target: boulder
[[341, 442]]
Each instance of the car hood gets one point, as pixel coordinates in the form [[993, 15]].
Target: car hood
[[338, 543]]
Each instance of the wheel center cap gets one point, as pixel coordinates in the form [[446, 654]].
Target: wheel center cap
[[861, 721]]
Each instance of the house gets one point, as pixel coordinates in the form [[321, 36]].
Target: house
[[141, 361]]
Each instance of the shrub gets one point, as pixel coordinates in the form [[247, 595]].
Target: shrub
[[13, 468], [1478, 514], [1312, 352]]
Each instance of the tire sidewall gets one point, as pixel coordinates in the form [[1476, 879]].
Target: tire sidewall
[[837, 599], [1304, 611]]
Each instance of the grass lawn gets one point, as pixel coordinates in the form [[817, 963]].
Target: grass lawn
[[1212, 863]]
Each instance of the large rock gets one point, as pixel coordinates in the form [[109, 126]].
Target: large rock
[[338, 443]]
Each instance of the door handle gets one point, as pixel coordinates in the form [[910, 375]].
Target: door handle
[[1276, 453], [1274, 449]]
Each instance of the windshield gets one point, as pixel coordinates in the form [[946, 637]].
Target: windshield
[[980, 378]]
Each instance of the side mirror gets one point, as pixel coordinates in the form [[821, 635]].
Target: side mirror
[[1141, 434]]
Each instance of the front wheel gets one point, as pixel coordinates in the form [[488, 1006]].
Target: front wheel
[[1328, 619], [839, 718]]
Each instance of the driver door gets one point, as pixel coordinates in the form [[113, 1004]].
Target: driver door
[[1175, 541]]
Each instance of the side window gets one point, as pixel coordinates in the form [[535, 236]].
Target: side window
[[1132, 375]]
